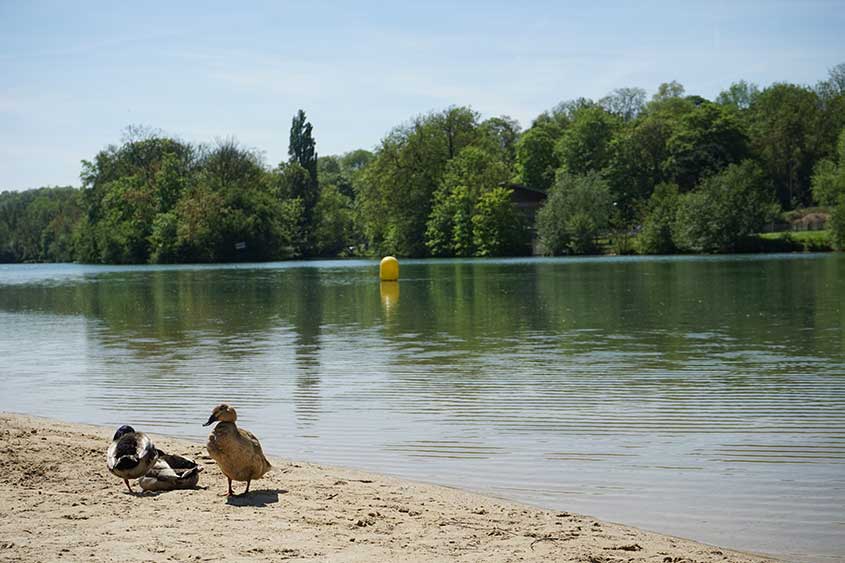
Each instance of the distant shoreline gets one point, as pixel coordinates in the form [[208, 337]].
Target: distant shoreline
[[434, 259], [61, 503]]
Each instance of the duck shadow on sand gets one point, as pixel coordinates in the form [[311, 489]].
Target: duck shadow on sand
[[259, 498], [143, 493]]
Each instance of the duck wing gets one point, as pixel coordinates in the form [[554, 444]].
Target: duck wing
[[250, 437], [182, 466], [171, 472], [256, 446], [161, 471]]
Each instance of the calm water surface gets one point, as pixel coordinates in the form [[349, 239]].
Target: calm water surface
[[702, 397]]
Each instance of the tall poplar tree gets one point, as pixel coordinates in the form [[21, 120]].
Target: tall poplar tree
[[302, 150]]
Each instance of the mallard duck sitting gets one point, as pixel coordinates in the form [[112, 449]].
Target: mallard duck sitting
[[130, 455], [171, 472], [236, 451]]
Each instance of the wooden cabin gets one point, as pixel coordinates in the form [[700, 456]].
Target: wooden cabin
[[528, 200]]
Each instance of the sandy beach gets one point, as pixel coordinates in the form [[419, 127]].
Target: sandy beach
[[60, 503]]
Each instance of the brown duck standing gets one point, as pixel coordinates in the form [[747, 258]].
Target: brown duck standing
[[236, 451]]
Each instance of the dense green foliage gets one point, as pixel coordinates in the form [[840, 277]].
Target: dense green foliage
[[828, 186], [37, 225], [656, 236], [397, 189], [498, 229], [577, 211], [536, 161], [466, 180], [674, 173], [728, 207]]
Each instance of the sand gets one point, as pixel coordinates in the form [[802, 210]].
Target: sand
[[59, 503]]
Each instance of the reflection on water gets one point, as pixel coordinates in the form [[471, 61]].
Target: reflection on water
[[703, 397]]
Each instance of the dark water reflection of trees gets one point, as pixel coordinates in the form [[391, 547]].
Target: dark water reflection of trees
[[471, 305]]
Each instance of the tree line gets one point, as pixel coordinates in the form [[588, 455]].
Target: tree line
[[673, 173]]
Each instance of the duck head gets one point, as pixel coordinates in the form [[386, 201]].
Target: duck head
[[222, 413], [122, 431]]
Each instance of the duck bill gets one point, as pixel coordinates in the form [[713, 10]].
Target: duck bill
[[211, 420]]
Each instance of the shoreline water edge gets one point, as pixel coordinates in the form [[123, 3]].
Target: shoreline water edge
[[61, 503]]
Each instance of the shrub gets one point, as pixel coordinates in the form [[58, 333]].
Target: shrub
[[837, 225], [577, 210], [726, 208], [656, 234]]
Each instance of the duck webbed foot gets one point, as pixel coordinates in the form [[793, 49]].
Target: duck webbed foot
[[230, 492]]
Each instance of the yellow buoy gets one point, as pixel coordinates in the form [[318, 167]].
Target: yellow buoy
[[388, 270]]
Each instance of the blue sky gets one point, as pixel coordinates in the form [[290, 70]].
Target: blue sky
[[74, 75]]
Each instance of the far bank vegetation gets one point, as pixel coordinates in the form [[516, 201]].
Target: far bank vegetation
[[755, 169]]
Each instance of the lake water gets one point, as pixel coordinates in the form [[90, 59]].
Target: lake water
[[701, 397]]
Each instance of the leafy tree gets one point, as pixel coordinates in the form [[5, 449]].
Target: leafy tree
[[828, 181], [625, 103], [564, 112], [788, 136], [577, 210], [342, 171], [285, 181], [328, 169], [128, 209], [335, 230], [164, 238], [498, 228], [331, 173], [197, 219], [37, 225], [739, 95], [232, 213], [656, 234], [498, 136], [536, 160], [669, 101], [449, 230], [352, 165], [449, 227], [302, 150], [668, 91], [476, 169], [703, 141], [355, 161], [837, 224], [726, 208], [396, 189], [558, 119], [124, 188], [636, 164], [144, 158], [834, 85], [585, 145]]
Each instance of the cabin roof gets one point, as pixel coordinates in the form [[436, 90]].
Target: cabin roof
[[524, 188]]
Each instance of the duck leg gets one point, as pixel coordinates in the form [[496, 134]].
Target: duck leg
[[247, 487], [231, 493], [128, 486]]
